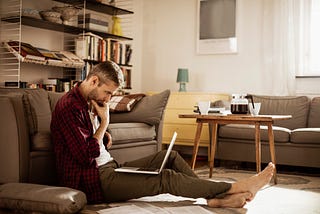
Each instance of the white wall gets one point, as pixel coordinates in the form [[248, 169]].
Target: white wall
[[165, 40], [169, 41]]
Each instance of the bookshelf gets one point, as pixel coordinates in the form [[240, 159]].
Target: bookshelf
[[13, 19]]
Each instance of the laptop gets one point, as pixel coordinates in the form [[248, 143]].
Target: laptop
[[150, 171]]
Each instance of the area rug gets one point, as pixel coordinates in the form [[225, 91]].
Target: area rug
[[293, 194]]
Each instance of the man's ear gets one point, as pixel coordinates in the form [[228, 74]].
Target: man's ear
[[94, 80]]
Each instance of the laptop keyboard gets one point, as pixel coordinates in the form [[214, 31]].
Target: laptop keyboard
[[148, 169]]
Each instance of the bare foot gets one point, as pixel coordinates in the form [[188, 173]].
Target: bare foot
[[237, 200], [254, 183]]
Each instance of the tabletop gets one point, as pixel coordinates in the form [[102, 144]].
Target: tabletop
[[237, 117]]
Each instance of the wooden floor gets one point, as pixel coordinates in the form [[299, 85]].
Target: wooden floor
[[294, 170]]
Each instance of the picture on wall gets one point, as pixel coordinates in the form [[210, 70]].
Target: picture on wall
[[216, 31]]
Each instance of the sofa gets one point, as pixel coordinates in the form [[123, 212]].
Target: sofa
[[26, 151], [297, 140]]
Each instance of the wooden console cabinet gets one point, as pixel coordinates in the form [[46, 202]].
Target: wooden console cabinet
[[184, 103]]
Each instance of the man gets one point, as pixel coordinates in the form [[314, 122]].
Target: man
[[83, 162]]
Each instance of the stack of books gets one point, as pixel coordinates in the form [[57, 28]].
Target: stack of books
[[93, 47]]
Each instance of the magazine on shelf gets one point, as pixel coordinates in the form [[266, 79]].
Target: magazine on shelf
[[31, 54], [26, 52], [69, 59], [51, 58]]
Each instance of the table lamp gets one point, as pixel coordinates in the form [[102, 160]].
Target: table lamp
[[182, 78]]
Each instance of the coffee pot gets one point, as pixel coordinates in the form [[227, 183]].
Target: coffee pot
[[239, 104]]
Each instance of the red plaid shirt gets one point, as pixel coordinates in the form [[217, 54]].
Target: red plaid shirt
[[74, 146]]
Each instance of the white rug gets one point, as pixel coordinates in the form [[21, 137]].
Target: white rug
[[293, 194]]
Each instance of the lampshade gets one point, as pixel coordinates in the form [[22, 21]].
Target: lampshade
[[183, 75]]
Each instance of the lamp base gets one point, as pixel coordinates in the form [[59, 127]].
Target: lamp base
[[183, 86]]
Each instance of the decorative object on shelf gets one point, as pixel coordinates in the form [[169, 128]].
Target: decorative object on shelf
[[116, 28], [68, 13], [183, 78], [93, 22], [31, 13], [51, 16], [108, 2]]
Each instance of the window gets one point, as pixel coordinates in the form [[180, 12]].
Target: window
[[310, 40], [314, 47]]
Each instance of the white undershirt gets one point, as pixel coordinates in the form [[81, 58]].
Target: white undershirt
[[105, 156]]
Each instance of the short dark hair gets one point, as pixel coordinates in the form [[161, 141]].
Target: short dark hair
[[107, 71]]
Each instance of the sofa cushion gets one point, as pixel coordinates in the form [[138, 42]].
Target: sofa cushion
[[54, 97], [240, 131], [124, 103], [131, 132], [306, 135], [149, 110], [40, 109], [41, 198], [314, 114], [297, 106], [41, 141]]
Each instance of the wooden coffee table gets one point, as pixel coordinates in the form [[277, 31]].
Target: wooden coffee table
[[215, 119]]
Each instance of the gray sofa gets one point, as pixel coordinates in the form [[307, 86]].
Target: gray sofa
[[26, 153], [297, 140]]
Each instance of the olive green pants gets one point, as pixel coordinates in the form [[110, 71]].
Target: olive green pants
[[177, 179]]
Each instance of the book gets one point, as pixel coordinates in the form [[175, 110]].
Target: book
[[25, 51]]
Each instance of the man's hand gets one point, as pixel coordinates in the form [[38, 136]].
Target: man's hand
[[102, 111], [108, 135]]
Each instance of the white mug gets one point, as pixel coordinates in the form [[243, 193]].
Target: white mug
[[254, 111], [204, 107]]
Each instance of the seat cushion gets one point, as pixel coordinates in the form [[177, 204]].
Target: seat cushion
[[247, 132], [41, 198], [131, 132], [306, 135]]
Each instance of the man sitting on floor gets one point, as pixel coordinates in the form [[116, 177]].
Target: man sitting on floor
[[84, 163]]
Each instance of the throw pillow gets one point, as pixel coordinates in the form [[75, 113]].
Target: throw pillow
[[124, 103], [148, 110], [41, 198]]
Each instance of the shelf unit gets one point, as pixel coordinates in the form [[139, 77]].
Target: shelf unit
[[11, 67], [40, 23]]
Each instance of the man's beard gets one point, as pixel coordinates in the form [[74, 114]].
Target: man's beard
[[93, 95]]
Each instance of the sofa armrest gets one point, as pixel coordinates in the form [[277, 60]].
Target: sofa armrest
[[14, 139]]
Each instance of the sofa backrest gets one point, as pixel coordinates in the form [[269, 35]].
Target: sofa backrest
[[297, 106], [314, 114]]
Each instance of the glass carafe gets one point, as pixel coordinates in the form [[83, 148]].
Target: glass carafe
[[239, 104]]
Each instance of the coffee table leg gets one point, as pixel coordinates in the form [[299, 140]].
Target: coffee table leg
[[213, 144], [196, 144], [258, 147], [272, 151]]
